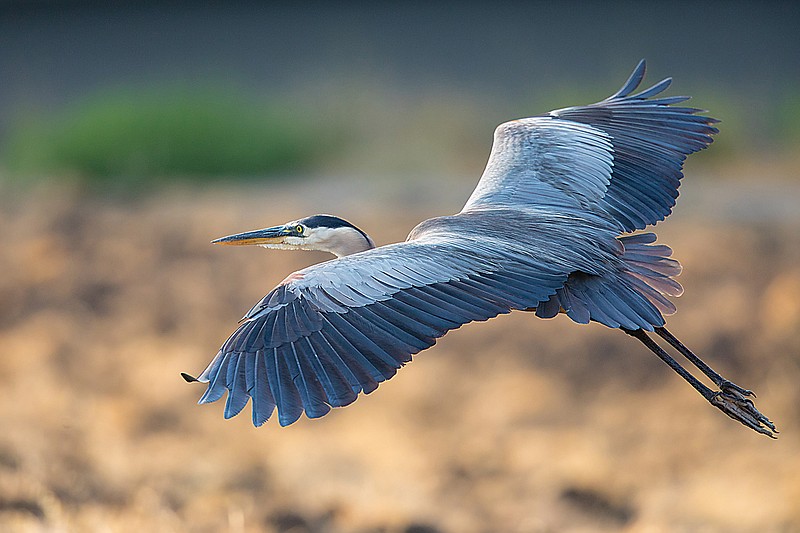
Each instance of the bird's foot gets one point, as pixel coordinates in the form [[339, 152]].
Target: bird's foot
[[734, 402]]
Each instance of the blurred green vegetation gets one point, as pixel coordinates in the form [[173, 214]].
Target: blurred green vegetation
[[789, 118], [124, 138], [138, 137]]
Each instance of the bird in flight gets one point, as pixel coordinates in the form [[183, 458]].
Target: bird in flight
[[549, 229]]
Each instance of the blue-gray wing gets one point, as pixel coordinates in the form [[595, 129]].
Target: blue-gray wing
[[339, 328], [651, 139], [622, 156]]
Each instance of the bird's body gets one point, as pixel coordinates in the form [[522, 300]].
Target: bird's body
[[544, 231]]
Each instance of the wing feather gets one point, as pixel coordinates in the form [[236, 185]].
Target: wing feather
[[215, 374], [237, 385], [263, 402], [307, 382], [284, 390]]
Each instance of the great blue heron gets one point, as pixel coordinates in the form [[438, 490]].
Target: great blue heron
[[543, 231]]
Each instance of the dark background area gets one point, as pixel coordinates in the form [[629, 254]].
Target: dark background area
[[55, 52]]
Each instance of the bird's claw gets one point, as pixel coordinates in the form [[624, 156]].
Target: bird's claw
[[734, 402], [731, 386]]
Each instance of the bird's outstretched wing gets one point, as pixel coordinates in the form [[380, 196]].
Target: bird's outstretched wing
[[339, 328], [622, 156]]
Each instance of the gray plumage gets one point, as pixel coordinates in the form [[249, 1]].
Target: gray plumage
[[543, 230]]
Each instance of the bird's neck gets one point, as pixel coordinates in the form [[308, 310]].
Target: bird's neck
[[341, 242]]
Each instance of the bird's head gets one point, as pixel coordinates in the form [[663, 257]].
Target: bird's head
[[325, 233]]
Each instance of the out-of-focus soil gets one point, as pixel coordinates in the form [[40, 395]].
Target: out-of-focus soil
[[513, 425]]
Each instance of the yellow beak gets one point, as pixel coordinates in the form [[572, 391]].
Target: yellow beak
[[274, 235]]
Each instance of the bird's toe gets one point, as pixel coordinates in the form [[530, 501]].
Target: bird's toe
[[735, 403], [731, 386]]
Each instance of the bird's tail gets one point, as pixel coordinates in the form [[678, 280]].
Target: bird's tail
[[652, 269], [634, 297]]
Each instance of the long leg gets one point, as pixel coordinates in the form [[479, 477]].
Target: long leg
[[718, 380], [728, 400], [640, 334]]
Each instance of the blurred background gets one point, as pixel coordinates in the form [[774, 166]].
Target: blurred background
[[133, 133]]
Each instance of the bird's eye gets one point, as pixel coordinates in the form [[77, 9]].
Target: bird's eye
[[299, 229]]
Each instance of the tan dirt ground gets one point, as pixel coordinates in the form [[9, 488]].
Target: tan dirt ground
[[513, 425]]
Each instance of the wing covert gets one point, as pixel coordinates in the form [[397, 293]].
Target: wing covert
[[544, 161]]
